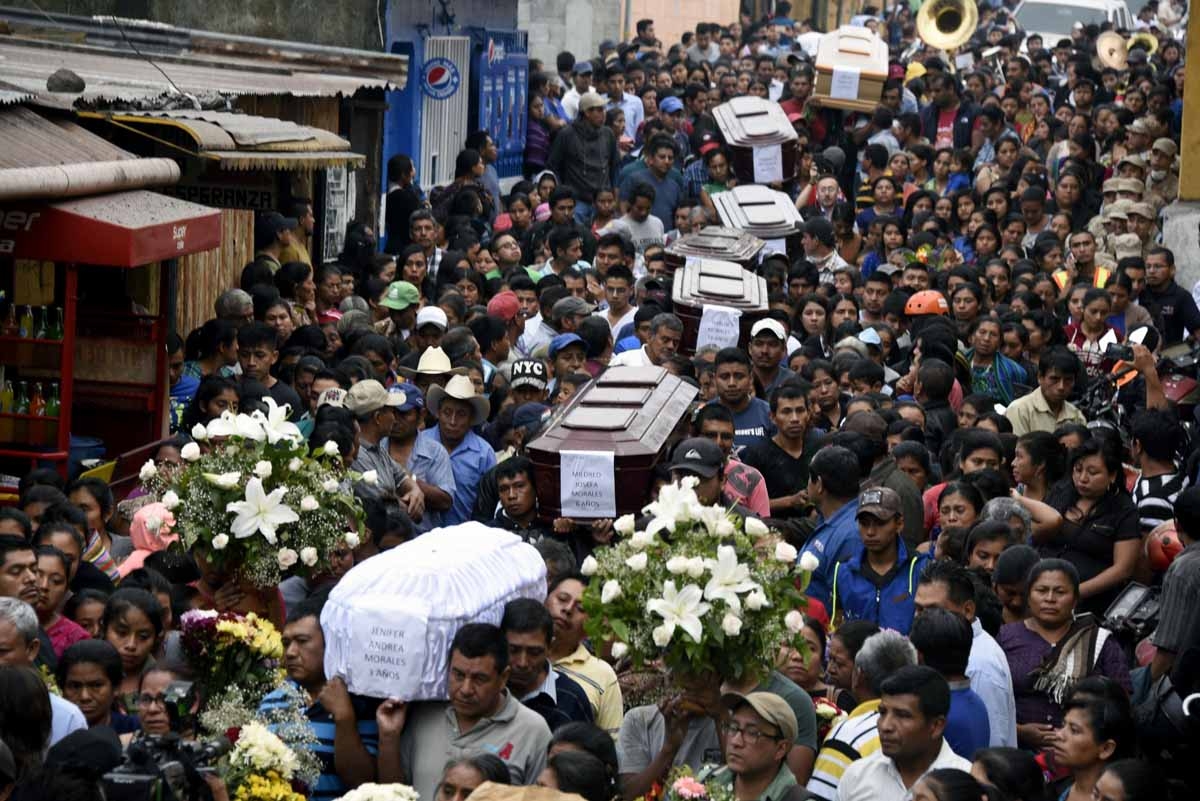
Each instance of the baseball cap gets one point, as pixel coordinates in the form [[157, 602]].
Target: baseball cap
[[272, 222], [769, 326], [504, 305], [529, 415], [882, 502], [528, 373], [413, 398], [1111, 185], [590, 100], [1142, 210], [569, 306], [1139, 126], [565, 341], [334, 396], [869, 336], [671, 105], [432, 315], [708, 143], [1165, 145], [370, 396], [770, 707], [400, 295], [700, 456], [1133, 160], [606, 45], [583, 68], [1134, 185], [889, 269]]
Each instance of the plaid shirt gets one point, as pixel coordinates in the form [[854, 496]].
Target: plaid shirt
[[695, 176]]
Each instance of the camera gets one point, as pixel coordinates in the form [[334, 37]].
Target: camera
[[164, 768], [1122, 353]]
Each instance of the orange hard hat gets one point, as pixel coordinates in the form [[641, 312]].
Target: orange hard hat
[[1162, 546], [927, 301]]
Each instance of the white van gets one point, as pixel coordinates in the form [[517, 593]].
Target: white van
[[1053, 19]]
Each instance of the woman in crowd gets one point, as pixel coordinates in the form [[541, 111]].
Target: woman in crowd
[[1095, 732], [1039, 462], [89, 674], [53, 578], [462, 775], [133, 626]]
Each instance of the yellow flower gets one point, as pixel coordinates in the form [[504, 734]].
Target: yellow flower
[[234, 628], [266, 787]]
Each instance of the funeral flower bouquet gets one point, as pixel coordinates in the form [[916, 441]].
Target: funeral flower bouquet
[[686, 787], [254, 501], [230, 652], [261, 767], [700, 588], [381, 792]]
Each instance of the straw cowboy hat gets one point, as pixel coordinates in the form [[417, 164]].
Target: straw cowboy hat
[[459, 388], [434, 362]]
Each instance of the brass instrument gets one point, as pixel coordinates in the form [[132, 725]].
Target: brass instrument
[[947, 24]]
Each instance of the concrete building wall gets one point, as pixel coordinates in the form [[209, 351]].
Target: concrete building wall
[[576, 25], [673, 17]]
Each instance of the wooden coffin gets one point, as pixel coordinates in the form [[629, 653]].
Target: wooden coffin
[[852, 65], [715, 242], [635, 413], [748, 123], [709, 281], [763, 212]]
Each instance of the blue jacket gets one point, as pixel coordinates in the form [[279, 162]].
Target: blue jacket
[[834, 540], [857, 598]]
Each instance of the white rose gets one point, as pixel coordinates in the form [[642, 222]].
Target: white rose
[[624, 524], [756, 527], [637, 562], [295, 464], [309, 504], [190, 452], [352, 539], [695, 567], [784, 552], [331, 448], [610, 592], [287, 557], [308, 556], [794, 621], [199, 432], [220, 541], [677, 565], [756, 600], [641, 539], [725, 527], [262, 469], [731, 624], [589, 566], [170, 500], [662, 636], [371, 478], [619, 650], [809, 562], [149, 470], [330, 485]]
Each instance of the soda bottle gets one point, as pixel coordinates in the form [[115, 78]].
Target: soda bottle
[[55, 328], [52, 403], [21, 403], [25, 326], [37, 403], [43, 318]]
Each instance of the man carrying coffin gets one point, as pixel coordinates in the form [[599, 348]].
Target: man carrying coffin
[[416, 740]]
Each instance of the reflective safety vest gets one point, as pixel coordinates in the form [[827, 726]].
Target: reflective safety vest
[[1099, 277]]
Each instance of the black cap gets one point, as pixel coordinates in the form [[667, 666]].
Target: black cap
[[93, 751], [269, 224], [700, 456]]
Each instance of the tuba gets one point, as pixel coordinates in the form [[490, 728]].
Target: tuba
[[947, 24], [1145, 40]]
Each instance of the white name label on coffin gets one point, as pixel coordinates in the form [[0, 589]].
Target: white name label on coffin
[[587, 484], [773, 246], [844, 85], [720, 326], [389, 652], [768, 164]]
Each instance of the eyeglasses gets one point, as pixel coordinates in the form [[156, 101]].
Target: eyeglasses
[[749, 734], [148, 700]]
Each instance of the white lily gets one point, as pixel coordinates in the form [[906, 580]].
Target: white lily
[[149, 470], [260, 512], [678, 609], [224, 480], [275, 422], [809, 562], [729, 577], [610, 592], [677, 503], [785, 552], [236, 425], [637, 563]]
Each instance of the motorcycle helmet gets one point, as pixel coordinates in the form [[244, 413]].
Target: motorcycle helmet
[[1162, 546], [925, 302]]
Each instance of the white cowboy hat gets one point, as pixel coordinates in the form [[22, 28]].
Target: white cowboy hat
[[434, 361], [459, 388]]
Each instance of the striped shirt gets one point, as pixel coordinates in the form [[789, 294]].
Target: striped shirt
[[1155, 498], [853, 739], [329, 786]]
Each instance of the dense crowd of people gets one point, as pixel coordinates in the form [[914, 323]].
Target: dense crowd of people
[[956, 403]]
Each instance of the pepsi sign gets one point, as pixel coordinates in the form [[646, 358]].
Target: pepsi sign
[[440, 78]]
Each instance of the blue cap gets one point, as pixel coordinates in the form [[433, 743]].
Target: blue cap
[[413, 399], [529, 415], [565, 340], [670, 105], [583, 68]]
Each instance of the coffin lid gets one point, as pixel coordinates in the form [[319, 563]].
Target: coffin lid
[[704, 281], [853, 46], [717, 242], [747, 121], [759, 210]]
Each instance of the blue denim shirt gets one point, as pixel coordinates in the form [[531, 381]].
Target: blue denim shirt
[[469, 461]]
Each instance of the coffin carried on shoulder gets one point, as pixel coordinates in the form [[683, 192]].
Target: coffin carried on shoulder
[[852, 65], [767, 214], [715, 242], [763, 145], [389, 622], [722, 283]]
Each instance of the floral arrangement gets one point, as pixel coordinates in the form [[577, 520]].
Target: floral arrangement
[[686, 787], [936, 260], [381, 792], [700, 588], [255, 501], [829, 715], [228, 651], [261, 767]]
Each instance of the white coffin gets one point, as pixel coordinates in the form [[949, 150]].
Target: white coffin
[[389, 622]]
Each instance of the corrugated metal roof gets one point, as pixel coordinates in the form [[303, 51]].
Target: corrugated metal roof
[[10, 94], [264, 160], [31, 140], [120, 76]]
